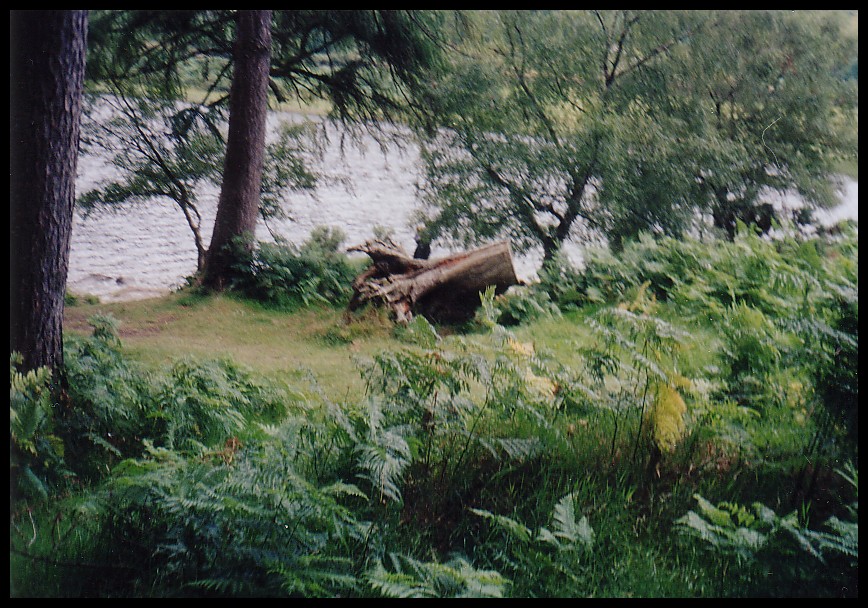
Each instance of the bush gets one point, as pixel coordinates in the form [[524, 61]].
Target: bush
[[242, 521], [285, 276], [478, 464], [522, 304], [784, 310], [519, 305], [774, 550], [562, 281]]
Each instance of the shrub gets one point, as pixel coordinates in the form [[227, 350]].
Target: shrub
[[183, 462], [522, 304], [283, 275], [249, 524], [562, 281]]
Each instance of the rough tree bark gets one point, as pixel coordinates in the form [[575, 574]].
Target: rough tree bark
[[444, 290], [238, 206], [47, 74]]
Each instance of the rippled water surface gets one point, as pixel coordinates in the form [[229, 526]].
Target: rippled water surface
[[148, 249]]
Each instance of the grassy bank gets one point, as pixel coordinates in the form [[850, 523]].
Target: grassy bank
[[276, 344]]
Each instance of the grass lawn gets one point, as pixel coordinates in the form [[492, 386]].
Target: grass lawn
[[289, 346], [278, 344]]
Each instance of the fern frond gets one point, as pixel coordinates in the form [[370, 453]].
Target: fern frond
[[520, 449], [99, 441], [340, 488], [667, 416], [843, 539], [511, 526], [316, 575], [414, 579], [397, 584], [566, 531], [383, 461], [743, 542]]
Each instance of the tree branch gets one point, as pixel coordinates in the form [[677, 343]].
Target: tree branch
[[610, 76], [520, 75]]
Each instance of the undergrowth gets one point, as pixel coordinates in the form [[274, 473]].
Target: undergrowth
[[697, 438], [285, 276]]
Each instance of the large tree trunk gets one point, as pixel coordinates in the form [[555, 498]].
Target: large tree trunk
[[47, 74], [238, 206], [444, 290]]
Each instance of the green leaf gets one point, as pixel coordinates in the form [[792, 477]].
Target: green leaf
[[514, 528]]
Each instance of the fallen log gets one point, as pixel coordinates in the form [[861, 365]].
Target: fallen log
[[444, 290]]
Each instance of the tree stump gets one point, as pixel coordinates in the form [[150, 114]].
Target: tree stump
[[444, 290]]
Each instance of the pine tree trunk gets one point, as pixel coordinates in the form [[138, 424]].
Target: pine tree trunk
[[47, 74], [444, 290], [238, 206]]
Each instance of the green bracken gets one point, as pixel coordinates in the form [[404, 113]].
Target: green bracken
[[641, 439]]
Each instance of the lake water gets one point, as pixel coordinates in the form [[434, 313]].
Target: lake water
[[147, 250]]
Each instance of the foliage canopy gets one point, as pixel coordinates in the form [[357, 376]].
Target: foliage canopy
[[571, 124]]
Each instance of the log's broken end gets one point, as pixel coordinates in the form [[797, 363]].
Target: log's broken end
[[444, 290]]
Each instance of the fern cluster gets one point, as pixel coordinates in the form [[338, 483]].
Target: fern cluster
[[758, 536], [207, 402], [523, 304], [249, 525], [436, 404], [631, 371], [36, 458], [457, 578], [786, 310]]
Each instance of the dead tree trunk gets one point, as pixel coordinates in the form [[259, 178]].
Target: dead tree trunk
[[444, 290]]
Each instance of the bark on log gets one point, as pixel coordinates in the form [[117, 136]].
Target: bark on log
[[444, 290]]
